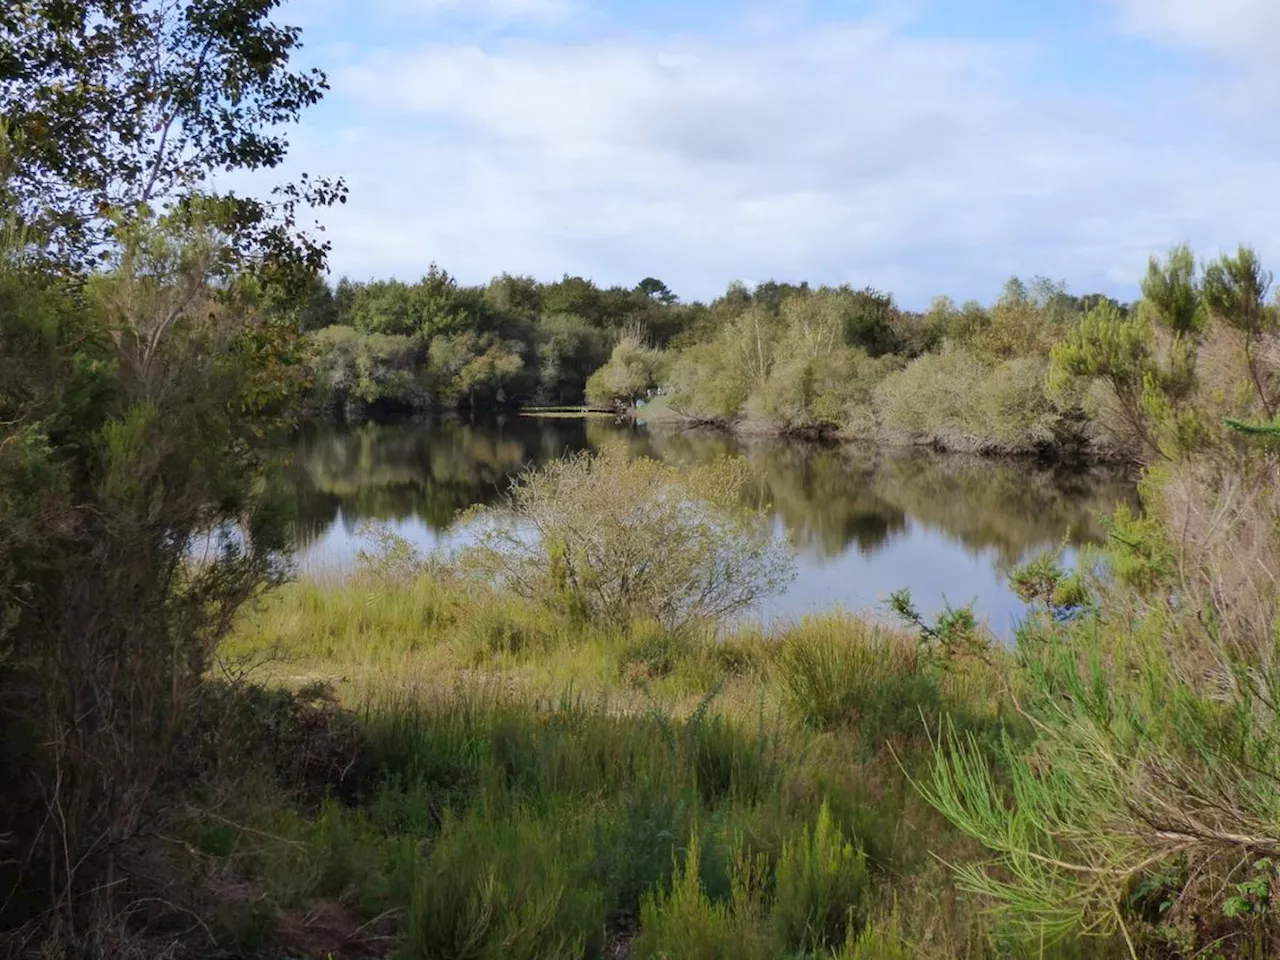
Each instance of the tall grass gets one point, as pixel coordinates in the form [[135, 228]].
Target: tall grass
[[532, 786]]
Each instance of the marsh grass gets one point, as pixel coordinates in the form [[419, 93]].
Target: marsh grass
[[532, 786]]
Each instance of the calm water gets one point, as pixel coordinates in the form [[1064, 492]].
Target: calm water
[[864, 520]]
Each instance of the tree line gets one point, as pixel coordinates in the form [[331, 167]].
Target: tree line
[[780, 355]]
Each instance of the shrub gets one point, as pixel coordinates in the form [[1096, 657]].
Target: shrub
[[1152, 773], [499, 890], [612, 539], [955, 401], [1011, 409], [632, 369], [931, 397], [137, 515], [686, 923], [705, 384], [821, 886], [820, 392]]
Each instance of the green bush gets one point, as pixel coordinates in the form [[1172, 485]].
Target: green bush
[[632, 369], [591, 536], [821, 884], [502, 890], [953, 400], [824, 392], [685, 924]]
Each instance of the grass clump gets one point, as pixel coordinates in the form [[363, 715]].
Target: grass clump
[[836, 675]]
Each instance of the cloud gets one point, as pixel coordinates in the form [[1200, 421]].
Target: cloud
[[1232, 28], [400, 19], [841, 153], [506, 11]]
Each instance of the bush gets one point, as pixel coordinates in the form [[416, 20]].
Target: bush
[[931, 397], [1151, 779], [824, 392], [137, 515], [500, 890], [686, 923], [955, 401], [632, 369], [611, 539], [706, 384], [821, 886]]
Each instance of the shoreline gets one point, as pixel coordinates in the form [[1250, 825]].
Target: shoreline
[[973, 446], [669, 419]]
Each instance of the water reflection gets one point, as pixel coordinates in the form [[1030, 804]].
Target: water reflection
[[865, 520]]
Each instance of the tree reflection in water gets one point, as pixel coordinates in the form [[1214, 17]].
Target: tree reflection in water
[[831, 501]]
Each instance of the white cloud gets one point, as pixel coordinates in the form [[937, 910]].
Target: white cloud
[[508, 11], [397, 15], [1235, 28], [851, 153]]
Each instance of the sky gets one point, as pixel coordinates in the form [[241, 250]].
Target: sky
[[922, 147]]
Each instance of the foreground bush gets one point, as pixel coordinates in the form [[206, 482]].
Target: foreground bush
[[1148, 801], [136, 517]]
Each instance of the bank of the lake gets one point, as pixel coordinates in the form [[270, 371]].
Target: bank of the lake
[[659, 413]]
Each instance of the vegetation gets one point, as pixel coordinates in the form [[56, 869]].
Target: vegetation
[[623, 784], [1151, 675], [780, 359], [562, 744], [592, 536]]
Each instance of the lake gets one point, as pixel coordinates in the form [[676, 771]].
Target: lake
[[864, 520]]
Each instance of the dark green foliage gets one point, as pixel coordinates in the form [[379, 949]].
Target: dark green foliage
[[137, 516], [495, 891]]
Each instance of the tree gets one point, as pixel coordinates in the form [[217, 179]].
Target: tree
[[137, 511], [632, 369], [112, 104], [573, 295], [137, 514], [569, 350], [520, 296], [468, 368], [654, 289], [1235, 294]]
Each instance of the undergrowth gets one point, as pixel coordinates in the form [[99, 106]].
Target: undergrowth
[[586, 790]]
